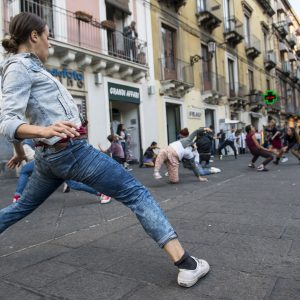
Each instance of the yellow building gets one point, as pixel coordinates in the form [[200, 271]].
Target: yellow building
[[214, 60]]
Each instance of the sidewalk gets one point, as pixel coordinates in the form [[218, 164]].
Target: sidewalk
[[245, 223]]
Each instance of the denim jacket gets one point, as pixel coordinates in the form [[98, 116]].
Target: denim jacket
[[32, 95]]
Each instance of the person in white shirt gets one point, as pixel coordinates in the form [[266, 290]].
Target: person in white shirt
[[229, 141]]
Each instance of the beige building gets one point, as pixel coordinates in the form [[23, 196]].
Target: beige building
[[215, 59]]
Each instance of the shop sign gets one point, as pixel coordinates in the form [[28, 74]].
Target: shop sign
[[68, 77], [120, 92], [270, 97], [194, 113]]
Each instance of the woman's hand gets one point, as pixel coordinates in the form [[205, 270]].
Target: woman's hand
[[15, 161], [61, 129]]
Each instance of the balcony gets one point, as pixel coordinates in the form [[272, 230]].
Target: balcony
[[213, 88], [267, 7], [270, 60], [177, 4], [176, 77], [295, 76], [292, 40], [282, 28], [209, 14], [236, 93], [256, 100], [78, 37], [253, 48], [276, 107], [289, 108], [292, 56], [233, 31], [282, 47], [286, 67]]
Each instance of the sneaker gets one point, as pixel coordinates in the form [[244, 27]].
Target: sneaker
[[214, 170], [167, 174], [128, 169], [251, 165], [156, 175], [188, 278], [284, 159], [66, 188], [16, 198], [220, 157], [261, 168], [211, 161], [105, 199]]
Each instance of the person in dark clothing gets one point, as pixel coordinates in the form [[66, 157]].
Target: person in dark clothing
[[257, 150], [221, 136], [130, 36], [212, 141], [203, 144], [150, 155], [229, 141], [292, 142]]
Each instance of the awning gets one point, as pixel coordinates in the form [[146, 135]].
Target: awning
[[121, 4], [255, 115]]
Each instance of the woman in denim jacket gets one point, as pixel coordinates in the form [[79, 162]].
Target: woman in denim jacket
[[62, 151]]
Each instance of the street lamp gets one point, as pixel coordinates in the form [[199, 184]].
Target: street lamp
[[211, 50]]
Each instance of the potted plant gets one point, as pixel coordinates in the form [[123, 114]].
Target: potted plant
[[109, 25], [83, 16]]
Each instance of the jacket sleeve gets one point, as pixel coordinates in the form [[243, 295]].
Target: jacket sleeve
[[16, 89], [188, 141]]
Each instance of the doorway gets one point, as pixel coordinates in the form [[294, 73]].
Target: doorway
[[173, 121]]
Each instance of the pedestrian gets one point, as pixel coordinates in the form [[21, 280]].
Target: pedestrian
[[292, 142], [173, 154], [123, 140], [242, 142], [221, 136], [150, 155], [275, 140], [203, 143], [229, 141], [62, 150], [183, 133], [257, 150], [130, 40]]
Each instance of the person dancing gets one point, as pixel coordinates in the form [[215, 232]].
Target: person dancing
[[62, 151], [257, 150]]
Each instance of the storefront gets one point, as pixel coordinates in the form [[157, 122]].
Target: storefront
[[124, 106]]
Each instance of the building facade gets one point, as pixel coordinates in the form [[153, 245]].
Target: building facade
[[105, 70]]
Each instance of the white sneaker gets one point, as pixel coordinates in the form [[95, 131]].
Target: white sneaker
[[211, 161], [188, 278], [284, 159], [156, 175], [220, 157], [215, 170], [167, 174]]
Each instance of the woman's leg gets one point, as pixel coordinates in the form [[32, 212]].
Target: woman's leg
[[160, 159], [25, 173], [40, 186], [74, 185]]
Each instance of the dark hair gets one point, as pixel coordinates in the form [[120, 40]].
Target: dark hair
[[119, 129], [153, 143], [248, 128], [184, 132], [20, 29], [111, 137]]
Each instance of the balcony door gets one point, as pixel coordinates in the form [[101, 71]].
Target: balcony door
[[168, 52], [42, 8], [206, 69], [231, 78]]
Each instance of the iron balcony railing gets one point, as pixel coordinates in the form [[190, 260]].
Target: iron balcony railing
[[175, 69], [282, 27], [270, 58], [266, 4], [232, 24], [253, 42], [236, 90], [211, 6], [292, 39], [81, 30], [214, 83], [289, 108], [286, 67]]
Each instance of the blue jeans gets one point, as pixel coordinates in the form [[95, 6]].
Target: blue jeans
[[27, 170], [81, 162]]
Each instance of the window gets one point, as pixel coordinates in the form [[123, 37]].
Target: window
[[42, 8], [168, 52], [206, 69], [227, 15], [247, 29], [266, 48], [251, 80], [268, 84], [231, 77]]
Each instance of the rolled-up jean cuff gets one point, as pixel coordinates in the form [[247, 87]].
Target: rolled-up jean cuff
[[171, 236]]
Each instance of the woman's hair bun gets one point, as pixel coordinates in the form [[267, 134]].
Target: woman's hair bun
[[10, 45]]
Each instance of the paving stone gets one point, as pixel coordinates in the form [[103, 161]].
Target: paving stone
[[286, 289], [13, 292]]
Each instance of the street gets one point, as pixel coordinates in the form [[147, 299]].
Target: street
[[246, 224]]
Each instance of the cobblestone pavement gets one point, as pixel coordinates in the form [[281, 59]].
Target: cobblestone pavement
[[246, 224]]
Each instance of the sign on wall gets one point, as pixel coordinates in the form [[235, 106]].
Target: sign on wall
[[194, 113], [120, 92]]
